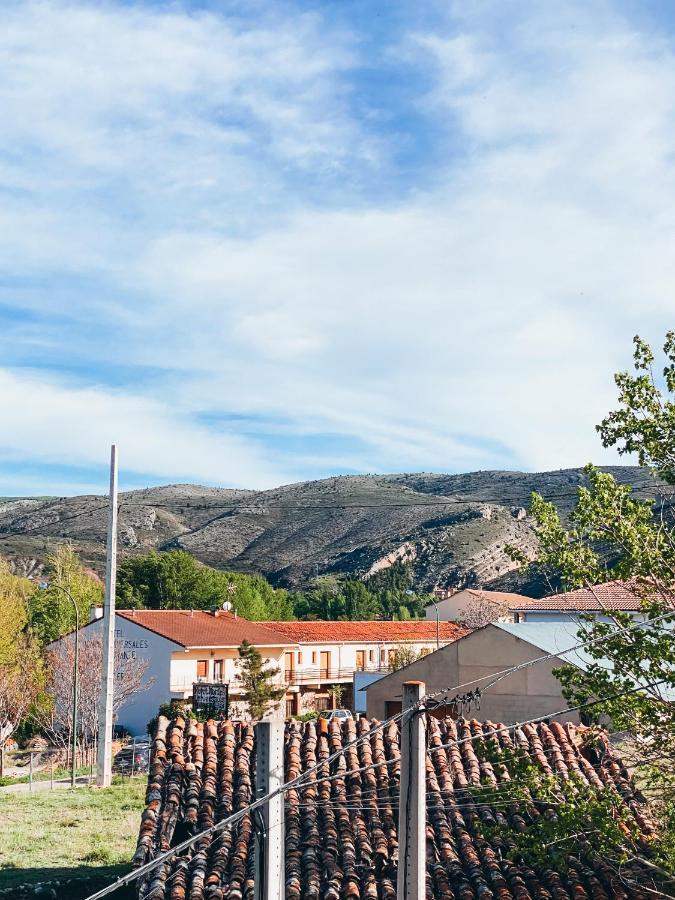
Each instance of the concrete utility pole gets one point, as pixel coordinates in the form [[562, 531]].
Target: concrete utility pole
[[412, 869], [105, 709], [269, 857]]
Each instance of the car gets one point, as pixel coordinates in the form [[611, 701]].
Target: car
[[339, 715], [132, 759]]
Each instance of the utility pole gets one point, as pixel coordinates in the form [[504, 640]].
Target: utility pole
[[269, 857], [412, 870], [105, 709]]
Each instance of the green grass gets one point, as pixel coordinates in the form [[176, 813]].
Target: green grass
[[60, 834]]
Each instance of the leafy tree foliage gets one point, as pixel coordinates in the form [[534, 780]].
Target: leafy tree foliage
[[578, 820], [403, 655], [380, 597], [638, 537], [259, 689], [176, 580], [645, 422], [51, 612], [20, 665]]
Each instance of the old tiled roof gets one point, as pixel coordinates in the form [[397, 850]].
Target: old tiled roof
[[329, 632], [341, 832], [196, 628], [612, 595]]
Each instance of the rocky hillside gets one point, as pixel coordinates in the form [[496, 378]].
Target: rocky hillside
[[451, 528]]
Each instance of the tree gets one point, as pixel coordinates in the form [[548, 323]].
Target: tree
[[258, 681], [613, 535], [479, 611], [53, 712], [20, 668], [51, 613], [404, 655], [645, 422], [176, 580]]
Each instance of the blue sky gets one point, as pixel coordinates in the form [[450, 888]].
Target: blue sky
[[266, 241]]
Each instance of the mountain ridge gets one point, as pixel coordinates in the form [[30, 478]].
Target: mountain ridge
[[451, 528]]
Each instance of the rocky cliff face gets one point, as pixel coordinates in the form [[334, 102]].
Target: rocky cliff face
[[451, 528]]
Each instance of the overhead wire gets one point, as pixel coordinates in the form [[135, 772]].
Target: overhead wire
[[299, 779]]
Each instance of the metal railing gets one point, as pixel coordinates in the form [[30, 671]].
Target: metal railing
[[294, 676], [345, 673]]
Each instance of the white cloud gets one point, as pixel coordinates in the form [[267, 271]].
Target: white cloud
[[471, 324], [69, 425]]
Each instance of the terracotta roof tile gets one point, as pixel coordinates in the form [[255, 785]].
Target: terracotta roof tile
[[341, 836], [612, 595], [196, 628], [325, 632]]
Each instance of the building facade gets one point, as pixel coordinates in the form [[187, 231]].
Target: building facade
[[530, 692], [178, 649]]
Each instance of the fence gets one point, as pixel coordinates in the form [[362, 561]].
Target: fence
[[53, 764]]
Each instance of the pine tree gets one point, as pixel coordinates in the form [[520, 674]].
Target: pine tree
[[260, 692]]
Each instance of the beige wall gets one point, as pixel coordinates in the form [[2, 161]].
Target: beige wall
[[184, 666], [523, 695]]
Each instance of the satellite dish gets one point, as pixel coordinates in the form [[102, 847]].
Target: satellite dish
[[227, 606]]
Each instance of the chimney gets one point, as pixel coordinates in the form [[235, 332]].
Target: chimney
[[95, 613]]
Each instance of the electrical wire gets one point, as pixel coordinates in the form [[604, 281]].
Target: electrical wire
[[498, 676], [409, 712]]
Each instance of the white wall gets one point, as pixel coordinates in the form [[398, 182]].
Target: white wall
[[307, 656], [140, 645]]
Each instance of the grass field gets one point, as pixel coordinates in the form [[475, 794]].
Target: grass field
[[61, 834]]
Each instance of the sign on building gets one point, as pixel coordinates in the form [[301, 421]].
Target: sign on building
[[213, 700]]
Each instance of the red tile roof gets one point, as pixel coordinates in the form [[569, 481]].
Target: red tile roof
[[612, 595], [341, 836], [362, 632], [196, 628]]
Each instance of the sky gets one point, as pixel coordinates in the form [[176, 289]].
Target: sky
[[257, 242]]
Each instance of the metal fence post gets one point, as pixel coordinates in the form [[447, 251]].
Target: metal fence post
[[411, 877]]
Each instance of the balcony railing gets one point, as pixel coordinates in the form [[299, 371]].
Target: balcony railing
[[290, 677], [312, 676]]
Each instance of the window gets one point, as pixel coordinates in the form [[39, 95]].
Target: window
[[321, 703], [383, 655], [313, 657], [371, 656], [218, 669], [299, 657], [202, 668]]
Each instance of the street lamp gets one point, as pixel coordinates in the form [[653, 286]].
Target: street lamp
[[60, 587]]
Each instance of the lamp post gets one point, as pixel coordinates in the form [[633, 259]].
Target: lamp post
[[438, 625], [60, 587]]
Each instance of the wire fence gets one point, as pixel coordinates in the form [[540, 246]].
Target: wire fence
[[50, 767]]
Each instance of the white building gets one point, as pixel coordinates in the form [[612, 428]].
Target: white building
[[181, 648], [452, 605], [602, 601]]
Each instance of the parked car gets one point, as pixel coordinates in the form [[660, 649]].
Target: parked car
[[341, 715], [132, 759]]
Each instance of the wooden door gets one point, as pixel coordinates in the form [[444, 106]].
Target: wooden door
[[325, 664], [289, 666], [360, 660]]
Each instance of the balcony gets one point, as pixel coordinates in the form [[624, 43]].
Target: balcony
[[315, 676]]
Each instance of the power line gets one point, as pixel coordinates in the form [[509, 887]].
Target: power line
[[299, 779], [498, 676]]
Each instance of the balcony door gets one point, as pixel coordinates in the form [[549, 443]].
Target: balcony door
[[218, 669], [360, 660], [324, 671], [289, 666]]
